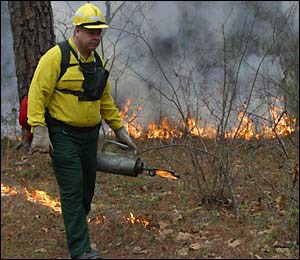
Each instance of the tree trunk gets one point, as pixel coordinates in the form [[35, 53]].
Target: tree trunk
[[33, 34]]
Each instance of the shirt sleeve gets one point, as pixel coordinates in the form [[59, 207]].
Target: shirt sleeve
[[109, 111], [42, 86]]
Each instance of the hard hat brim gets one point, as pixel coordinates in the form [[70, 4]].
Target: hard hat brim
[[98, 26]]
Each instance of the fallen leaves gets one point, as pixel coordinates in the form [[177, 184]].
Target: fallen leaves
[[280, 203], [162, 224], [265, 232], [234, 242], [183, 229], [176, 216], [183, 251], [256, 206], [193, 247], [255, 256], [197, 246], [40, 250], [45, 229], [296, 174], [166, 232], [138, 250], [183, 236]]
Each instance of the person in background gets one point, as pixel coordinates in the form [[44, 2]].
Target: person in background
[[65, 117]]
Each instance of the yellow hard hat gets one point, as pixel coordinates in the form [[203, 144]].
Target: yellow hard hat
[[89, 16]]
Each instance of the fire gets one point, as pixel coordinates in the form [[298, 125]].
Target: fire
[[42, 198], [164, 131], [139, 220], [7, 191], [37, 196], [134, 128], [165, 174], [280, 124], [97, 219], [246, 129]]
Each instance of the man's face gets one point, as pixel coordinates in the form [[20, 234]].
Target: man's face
[[89, 39]]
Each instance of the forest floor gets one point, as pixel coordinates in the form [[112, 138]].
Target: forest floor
[[159, 218]]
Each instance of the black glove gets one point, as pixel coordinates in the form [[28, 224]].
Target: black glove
[[123, 137]]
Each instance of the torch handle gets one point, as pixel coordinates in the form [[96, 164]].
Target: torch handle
[[124, 146]]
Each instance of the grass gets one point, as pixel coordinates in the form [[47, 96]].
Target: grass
[[31, 230]]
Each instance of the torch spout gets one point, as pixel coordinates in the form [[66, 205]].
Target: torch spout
[[127, 165]]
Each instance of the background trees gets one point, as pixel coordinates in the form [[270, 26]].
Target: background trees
[[33, 34], [222, 66], [233, 68]]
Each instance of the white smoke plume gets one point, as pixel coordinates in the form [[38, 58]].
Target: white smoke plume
[[186, 44]]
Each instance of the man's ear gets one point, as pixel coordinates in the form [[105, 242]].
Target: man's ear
[[77, 29]]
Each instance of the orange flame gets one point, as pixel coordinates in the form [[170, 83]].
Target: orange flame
[[246, 129], [140, 220], [133, 127], [164, 131], [98, 219], [42, 198], [281, 125], [165, 174], [7, 191], [38, 196]]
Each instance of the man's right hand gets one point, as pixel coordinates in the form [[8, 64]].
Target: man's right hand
[[41, 141], [123, 137]]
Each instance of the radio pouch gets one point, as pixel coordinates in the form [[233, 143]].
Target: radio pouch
[[95, 79]]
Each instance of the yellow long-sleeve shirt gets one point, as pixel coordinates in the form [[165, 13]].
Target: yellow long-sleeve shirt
[[66, 107]]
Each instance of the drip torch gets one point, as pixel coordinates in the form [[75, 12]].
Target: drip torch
[[126, 164]]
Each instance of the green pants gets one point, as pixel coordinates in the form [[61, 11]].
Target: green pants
[[74, 162]]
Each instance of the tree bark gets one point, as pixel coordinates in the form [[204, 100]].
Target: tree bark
[[33, 34]]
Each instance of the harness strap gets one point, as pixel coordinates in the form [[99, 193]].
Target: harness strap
[[73, 92], [65, 63], [65, 58]]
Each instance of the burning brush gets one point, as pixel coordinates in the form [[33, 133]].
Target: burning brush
[[127, 165]]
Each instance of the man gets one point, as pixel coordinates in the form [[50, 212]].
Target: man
[[69, 111]]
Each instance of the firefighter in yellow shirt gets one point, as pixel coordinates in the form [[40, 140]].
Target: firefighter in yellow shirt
[[68, 112]]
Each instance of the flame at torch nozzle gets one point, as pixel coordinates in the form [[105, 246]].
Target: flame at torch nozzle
[[162, 173], [166, 174]]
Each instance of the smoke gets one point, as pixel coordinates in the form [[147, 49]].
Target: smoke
[[180, 59], [189, 43], [182, 64], [9, 91], [164, 18]]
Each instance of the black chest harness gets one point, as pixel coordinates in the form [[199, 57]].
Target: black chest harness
[[95, 75]]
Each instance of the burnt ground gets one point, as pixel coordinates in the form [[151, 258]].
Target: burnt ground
[[170, 218]]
